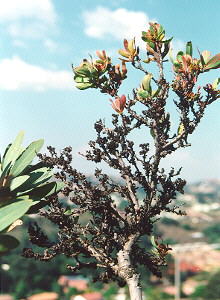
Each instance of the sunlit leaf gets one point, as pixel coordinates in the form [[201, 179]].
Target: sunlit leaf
[[189, 49], [213, 63], [12, 212], [13, 151], [17, 181], [26, 157]]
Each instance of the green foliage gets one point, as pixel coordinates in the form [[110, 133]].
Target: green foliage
[[110, 293], [212, 289], [26, 276], [154, 294], [187, 227], [19, 177], [22, 185], [7, 243], [185, 63], [199, 292], [170, 241], [21, 290], [88, 73], [13, 211], [212, 233], [169, 221]]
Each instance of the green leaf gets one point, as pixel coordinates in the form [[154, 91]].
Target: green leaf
[[155, 93], [32, 168], [34, 209], [36, 178], [167, 41], [153, 241], [189, 49], [26, 157], [5, 173], [14, 211], [83, 70], [17, 181], [166, 49], [146, 82], [202, 59], [43, 175], [13, 151], [161, 31], [68, 212], [176, 64], [152, 45], [6, 150], [216, 83], [145, 39], [152, 30], [170, 53], [181, 129], [7, 242], [179, 56], [47, 189], [152, 133], [213, 63], [80, 79], [206, 56], [143, 94], [84, 86]]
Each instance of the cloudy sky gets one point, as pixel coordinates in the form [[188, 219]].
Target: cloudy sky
[[40, 39]]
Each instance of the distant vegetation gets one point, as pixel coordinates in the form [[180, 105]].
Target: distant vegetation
[[213, 233]]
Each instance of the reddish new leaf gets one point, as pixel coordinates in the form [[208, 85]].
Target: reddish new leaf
[[119, 104]]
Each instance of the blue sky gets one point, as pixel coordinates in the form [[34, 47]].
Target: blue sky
[[40, 39]]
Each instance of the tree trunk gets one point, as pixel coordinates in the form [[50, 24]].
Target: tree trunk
[[135, 290], [127, 271]]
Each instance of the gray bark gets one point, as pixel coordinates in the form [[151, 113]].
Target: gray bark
[[127, 272], [135, 290]]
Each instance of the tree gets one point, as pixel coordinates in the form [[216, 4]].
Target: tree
[[211, 290], [109, 243]]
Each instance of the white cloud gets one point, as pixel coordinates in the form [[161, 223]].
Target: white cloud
[[30, 30], [27, 18], [50, 45], [16, 74], [13, 10], [120, 23]]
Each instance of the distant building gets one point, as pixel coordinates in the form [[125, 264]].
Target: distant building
[[184, 267], [44, 296], [6, 297], [190, 285], [170, 290], [79, 283], [88, 296]]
